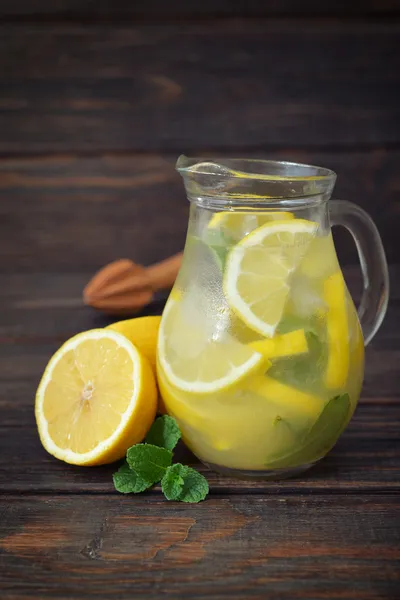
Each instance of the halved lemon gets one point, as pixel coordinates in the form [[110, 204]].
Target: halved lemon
[[97, 397], [196, 361], [256, 279]]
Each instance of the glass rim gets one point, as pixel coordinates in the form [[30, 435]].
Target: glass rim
[[187, 165]]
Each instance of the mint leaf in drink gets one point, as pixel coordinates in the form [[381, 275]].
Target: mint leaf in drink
[[164, 433], [184, 484], [219, 245], [302, 370], [127, 481], [148, 461], [320, 438]]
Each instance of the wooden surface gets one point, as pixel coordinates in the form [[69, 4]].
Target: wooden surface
[[105, 87], [97, 99], [94, 10]]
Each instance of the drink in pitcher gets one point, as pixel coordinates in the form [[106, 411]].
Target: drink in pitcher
[[260, 352]]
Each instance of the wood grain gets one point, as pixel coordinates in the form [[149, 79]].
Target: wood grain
[[61, 213], [252, 547], [97, 99], [207, 8], [218, 84], [365, 460]]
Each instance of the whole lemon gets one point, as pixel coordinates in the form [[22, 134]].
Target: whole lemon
[[143, 333]]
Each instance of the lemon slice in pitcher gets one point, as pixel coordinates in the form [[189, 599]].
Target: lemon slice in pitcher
[[196, 362], [97, 398], [256, 280], [236, 224]]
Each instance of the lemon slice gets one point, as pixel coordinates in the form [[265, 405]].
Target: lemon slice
[[256, 279], [286, 396], [320, 259], [194, 361], [97, 397], [239, 223], [284, 345], [337, 368]]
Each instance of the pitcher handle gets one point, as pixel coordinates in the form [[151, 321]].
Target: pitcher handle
[[372, 257]]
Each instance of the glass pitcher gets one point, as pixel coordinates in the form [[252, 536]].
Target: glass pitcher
[[261, 351]]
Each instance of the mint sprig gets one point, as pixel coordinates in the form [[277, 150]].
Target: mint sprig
[[148, 461], [151, 462], [172, 483], [164, 433], [184, 484], [127, 481]]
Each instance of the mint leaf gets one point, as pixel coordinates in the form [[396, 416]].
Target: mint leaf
[[195, 487], [164, 433], [301, 370], [127, 481], [219, 245], [184, 484], [172, 482], [148, 461], [321, 437]]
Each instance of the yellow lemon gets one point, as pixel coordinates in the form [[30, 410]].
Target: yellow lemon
[[97, 397], [286, 396], [239, 223], [256, 279], [338, 331], [143, 333], [193, 361], [284, 345]]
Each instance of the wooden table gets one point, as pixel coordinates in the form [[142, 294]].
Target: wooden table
[[96, 101]]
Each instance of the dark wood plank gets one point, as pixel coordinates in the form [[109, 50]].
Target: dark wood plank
[[366, 458], [90, 212], [262, 84], [178, 8], [244, 547], [67, 213]]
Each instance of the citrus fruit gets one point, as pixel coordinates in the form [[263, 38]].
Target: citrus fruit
[[258, 268], [284, 345], [337, 330], [320, 259], [196, 362], [143, 333], [285, 396], [97, 397], [239, 223]]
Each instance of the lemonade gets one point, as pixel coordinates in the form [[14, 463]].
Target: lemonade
[[260, 351]]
